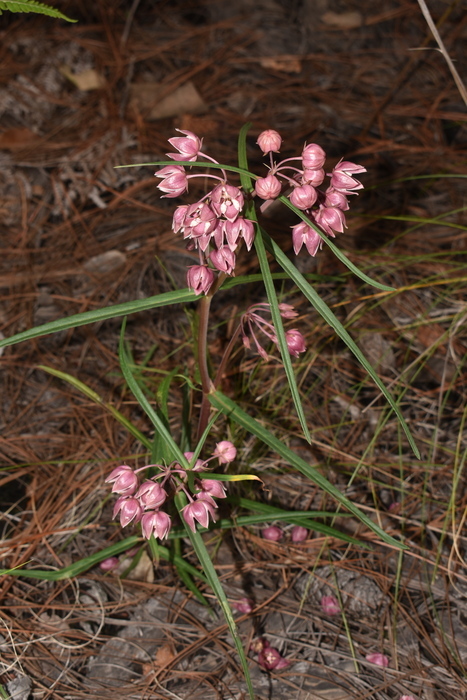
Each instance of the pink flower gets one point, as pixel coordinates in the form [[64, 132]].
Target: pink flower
[[341, 177], [287, 311], [156, 523], [295, 342], [244, 605], [408, 697], [199, 220], [336, 199], [151, 494], [330, 605], [299, 533], [330, 219], [124, 480], [179, 218], [199, 464], [313, 156], [303, 196], [225, 452], [223, 259], [269, 140], [130, 510], [200, 511], [304, 234], [200, 278], [378, 659], [272, 533], [240, 228], [268, 187], [174, 181], [188, 146], [213, 487], [227, 200], [270, 659], [109, 564]]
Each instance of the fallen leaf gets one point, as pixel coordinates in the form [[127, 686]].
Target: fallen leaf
[[285, 64], [105, 262], [145, 99], [342, 20], [87, 80]]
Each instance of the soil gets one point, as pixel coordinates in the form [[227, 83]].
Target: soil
[[368, 83]]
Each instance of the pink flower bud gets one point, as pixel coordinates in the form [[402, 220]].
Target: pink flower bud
[[287, 311], [199, 464], [295, 342], [270, 659], [174, 181], [125, 481], [240, 228], [304, 234], [227, 200], [408, 697], [299, 533], [378, 659], [330, 605], [310, 176], [200, 511], [268, 187], [313, 156], [223, 259], [330, 219], [188, 146], [303, 196], [336, 199], [156, 523], [244, 606], [109, 564], [130, 510], [213, 487], [151, 494], [272, 533], [269, 140], [200, 278], [225, 452]]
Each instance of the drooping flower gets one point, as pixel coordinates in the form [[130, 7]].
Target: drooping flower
[[151, 494], [269, 141], [330, 219], [227, 200], [199, 220], [188, 146], [200, 278], [223, 259], [341, 177], [225, 452], [124, 480], [213, 487], [304, 234], [156, 523], [174, 181], [130, 510], [295, 342], [199, 511], [271, 659]]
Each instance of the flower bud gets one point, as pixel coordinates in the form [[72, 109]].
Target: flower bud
[[125, 481], [287, 311], [299, 533], [330, 605], [156, 523], [198, 510], [304, 234], [270, 659], [223, 260], [313, 156], [303, 196], [312, 176], [268, 187], [269, 140], [109, 564], [378, 659], [244, 605], [272, 533], [151, 494]]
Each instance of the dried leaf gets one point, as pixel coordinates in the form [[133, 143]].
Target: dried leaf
[[145, 100], [342, 20]]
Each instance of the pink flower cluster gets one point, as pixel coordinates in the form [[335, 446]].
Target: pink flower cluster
[[252, 318], [275, 534], [142, 502], [269, 657], [213, 226], [324, 207]]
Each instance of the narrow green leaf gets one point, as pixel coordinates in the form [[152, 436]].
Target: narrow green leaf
[[323, 309], [229, 408], [91, 394], [181, 296]]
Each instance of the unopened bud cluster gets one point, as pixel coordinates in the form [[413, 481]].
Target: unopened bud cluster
[[215, 226], [252, 321], [325, 207], [142, 502], [269, 657]]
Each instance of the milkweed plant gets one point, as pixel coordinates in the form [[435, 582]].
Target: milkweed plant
[[176, 496]]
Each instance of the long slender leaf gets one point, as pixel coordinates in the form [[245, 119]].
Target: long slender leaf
[[181, 296], [227, 406], [94, 396], [323, 309]]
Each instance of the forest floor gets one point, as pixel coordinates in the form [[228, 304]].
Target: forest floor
[[367, 82]]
